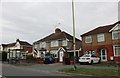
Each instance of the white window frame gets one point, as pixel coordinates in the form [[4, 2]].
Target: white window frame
[[35, 46], [42, 54], [42, 44], [88, 39], [54, 52], [54, 43], [116, 49], [116, 34], [64, 43], [100, 37]]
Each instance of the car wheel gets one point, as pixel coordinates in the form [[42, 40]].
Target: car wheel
[[81, 63], [99, 61], [91, 62]]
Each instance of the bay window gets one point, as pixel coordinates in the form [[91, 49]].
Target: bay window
[[54, 53]]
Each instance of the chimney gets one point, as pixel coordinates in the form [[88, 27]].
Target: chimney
[[57, 30], [17, 40]]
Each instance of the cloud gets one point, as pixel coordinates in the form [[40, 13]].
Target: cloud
[[31, 21]]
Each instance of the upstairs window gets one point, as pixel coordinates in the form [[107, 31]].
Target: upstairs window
[[88, 39], [42, 44], [116, 34], [35, 46], [64, 43], [54, 43], [100, 38]]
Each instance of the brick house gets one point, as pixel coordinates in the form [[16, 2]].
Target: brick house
[[103, 41], [17, 49], [59, 44]]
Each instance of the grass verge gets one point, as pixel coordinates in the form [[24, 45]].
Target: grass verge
[[91, 71], [108, 64]]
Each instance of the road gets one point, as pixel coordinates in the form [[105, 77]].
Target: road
[[40, 70], [35, 70]]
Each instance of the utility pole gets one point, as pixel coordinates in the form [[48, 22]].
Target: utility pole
[[74, 35]]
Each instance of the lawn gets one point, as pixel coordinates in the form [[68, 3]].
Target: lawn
[[91, 71], [108, 64]]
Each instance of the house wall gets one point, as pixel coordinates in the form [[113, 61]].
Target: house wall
[[108, 40], [95, 45], [1, 48], [49, 48], [115, 42]]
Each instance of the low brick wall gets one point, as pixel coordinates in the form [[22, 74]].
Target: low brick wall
[[35, 60]]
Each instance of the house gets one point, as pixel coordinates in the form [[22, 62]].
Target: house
[[3, 47], [59, 44], [17, 49], [104, 41]]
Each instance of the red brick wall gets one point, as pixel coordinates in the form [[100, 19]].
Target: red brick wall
[[109, 51]]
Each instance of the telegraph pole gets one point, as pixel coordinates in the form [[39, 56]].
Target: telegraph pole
[[74, 35]]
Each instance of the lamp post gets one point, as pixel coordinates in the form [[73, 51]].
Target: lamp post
[[74, 35]]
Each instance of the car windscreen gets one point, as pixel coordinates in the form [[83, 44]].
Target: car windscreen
[[86, 55]]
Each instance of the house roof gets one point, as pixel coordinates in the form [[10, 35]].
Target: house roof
[[57, 35], [101, 29], [25, 43], [13, 44], [4, 45]]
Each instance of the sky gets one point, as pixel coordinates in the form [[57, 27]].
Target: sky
[[31, 20]]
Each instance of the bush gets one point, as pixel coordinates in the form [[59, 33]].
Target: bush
[[47, 54], [30, 57]]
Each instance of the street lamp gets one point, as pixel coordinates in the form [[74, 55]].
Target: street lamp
[[74, 35]]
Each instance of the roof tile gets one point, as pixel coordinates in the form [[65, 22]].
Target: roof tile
[[101, 29]]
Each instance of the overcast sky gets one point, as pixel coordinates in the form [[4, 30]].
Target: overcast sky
[[32, 20]]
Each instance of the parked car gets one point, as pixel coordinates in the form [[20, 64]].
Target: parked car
[[48, 60], [89, 58]]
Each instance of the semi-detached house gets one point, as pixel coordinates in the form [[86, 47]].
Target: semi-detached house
[[104, 41], [19, 49], [59, 44]]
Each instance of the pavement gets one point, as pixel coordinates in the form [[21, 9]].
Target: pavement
[[44, 70]]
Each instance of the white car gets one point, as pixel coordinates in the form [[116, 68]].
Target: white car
[[89, 58]]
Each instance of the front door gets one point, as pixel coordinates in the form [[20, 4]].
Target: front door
[[103, 54], [61, 56]]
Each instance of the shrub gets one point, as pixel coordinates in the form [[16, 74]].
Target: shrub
[[30, 57]]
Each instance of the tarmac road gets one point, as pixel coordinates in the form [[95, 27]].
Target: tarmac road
[[40, 71]]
